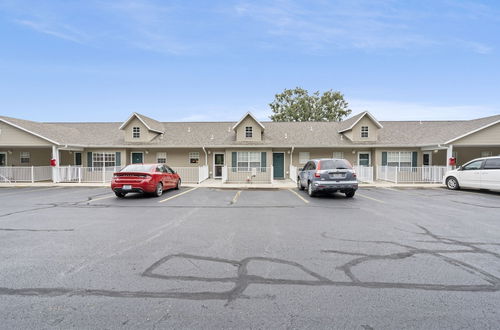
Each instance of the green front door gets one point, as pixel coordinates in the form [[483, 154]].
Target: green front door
[[137, 158], [278, 165]]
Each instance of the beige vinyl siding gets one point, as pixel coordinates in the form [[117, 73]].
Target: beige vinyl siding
[[145, 134], [355, 135], [256, 130], [315, 153], [38, 156], [175, 157], [465, 154], [487, 136], [10, 135]]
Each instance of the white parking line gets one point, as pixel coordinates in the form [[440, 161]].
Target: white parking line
[[296, 194], [100, 198], [235, 198], [27, 191], [371, 198], [175, 196]]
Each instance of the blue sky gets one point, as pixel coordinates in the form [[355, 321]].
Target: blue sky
[[99, 60]]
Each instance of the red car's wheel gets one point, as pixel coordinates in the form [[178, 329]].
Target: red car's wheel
[[178, 185], [159, 190]]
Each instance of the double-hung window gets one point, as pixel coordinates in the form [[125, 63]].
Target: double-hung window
[[136, 132], [364, 131], [399, 158], [338, 154], [161, 157], [248, 160], [248, 131], [194, 157], [25, 157], [106, 159]]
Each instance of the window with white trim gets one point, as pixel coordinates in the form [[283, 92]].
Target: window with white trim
[[106, 159], [246, 160], [248, 131], [486, 153], [364, 131], [25, 157], [304, 157], [161, 157], [136, 132], [399, 158], [194, 157], [338, 154]]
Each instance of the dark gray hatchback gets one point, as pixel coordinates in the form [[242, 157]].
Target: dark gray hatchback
[[328, 175]]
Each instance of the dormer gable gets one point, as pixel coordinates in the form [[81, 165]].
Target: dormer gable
[[361, 127], [248, 128], [139, 128]]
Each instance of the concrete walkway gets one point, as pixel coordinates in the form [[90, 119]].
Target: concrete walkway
[[281, 184]]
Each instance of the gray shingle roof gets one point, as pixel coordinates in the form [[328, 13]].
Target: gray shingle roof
[[286, 134]]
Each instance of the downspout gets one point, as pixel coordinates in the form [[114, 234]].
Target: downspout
[[206, 156]]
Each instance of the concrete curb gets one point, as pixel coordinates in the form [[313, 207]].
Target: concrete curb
[[225, 186]]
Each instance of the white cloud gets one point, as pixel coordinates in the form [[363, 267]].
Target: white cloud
[[62, 31]]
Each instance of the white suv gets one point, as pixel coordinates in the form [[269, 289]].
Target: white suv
[[480, 173]]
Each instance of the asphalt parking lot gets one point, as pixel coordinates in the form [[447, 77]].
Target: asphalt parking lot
[[213, 258]]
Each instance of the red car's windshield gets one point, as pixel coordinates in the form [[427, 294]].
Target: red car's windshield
[[138, 168]]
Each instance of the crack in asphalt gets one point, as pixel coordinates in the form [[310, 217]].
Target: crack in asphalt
[[242, 279]]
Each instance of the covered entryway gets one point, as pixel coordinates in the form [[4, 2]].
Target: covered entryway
[[278, 165]]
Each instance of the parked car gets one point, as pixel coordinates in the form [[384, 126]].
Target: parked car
[[480, 173], [145, 178], [328, 175]]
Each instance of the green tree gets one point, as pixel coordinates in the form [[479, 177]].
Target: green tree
[[297, 105]]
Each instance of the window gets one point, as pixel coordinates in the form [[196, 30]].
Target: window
[[492, 164], [303, 157], [161, 157], [486, 154], [399, 158], [248, 131], [100, 159], [338, 154], [194, 157], [248, 160], [473, 166], [25, 157], [136, 132], [364, 131]]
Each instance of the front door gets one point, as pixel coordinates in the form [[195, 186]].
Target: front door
[[218, 165], [137, 158], [278, 165], [364, 159], [3, 159], [427, 158], [427, 169]]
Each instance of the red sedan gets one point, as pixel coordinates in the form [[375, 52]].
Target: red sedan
[[145, 178]]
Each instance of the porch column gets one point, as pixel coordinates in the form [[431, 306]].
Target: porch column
[[55, 169], [449, 154]]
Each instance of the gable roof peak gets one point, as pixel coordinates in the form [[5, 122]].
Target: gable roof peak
[[150, 123], [349, 123], [244, 117]]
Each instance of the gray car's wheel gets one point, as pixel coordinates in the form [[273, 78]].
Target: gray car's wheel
[[310, 190], [452, 183], [299, 184], [159, 190], [350, 194]]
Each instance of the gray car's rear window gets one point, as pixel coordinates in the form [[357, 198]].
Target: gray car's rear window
[[138, 168], [334, 164]]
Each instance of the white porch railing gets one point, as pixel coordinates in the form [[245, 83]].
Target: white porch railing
[[364, 173], [203, 173], [293, 173], [248, 175], [86, 174], [424, 174], [10, 174]]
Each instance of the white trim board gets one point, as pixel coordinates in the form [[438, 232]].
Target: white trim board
[[30, 132], [243, 118], [379, 125], [472, 132], [138, 116]]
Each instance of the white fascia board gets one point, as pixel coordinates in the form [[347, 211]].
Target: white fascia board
[[379, 125], [472, 132], [28, 131], [243, 118]]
